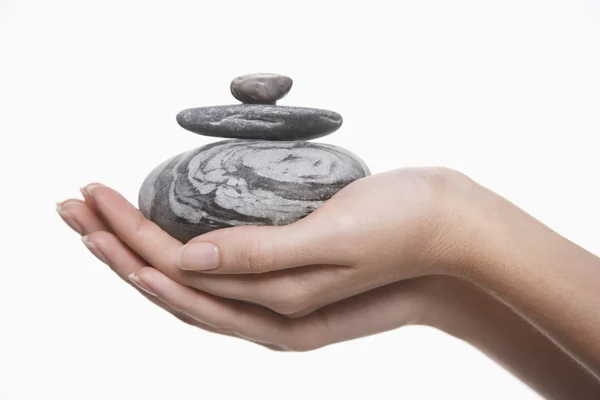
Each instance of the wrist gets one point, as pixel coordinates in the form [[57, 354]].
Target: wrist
[[458, 227], [444, 303], [489, 237]]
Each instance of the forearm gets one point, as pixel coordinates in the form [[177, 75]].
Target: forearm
[[468, 313], [548, 280]]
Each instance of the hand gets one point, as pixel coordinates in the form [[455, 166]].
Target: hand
[[377, 231], [447, 303], [328, 274], [386, 308]]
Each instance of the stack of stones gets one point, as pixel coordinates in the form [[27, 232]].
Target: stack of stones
[[269, 174]]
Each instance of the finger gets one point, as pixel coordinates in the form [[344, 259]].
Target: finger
[[286, 292], [77, 213], [144, 237], [183, 317], [295, 292], [179, 315], [244, 320], [189, 320], [80, 217], [109, 249], [313, 240], [376, 311]]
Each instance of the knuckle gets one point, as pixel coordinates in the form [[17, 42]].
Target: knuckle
[[103, 239], [305, 335], [300, 313], [136, 229], [286, 297], [256, 256]]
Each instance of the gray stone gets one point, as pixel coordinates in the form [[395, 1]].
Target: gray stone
[[260, 88], [260, 121], [245, 182]]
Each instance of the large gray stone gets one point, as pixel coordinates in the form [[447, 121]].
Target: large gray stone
[[260, 121], [260, 88], [245, 182]]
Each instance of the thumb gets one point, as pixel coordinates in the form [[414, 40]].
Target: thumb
[[259, 249]]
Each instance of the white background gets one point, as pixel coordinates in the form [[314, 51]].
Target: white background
[[506, 91]]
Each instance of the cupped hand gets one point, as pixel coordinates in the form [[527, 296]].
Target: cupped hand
[[376, 233], [450, 304], [380, 310]]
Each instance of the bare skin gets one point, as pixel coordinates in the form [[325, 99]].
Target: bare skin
[[406, 247]]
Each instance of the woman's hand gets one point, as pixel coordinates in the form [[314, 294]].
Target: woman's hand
[[379, 230], [380, 310], [370, 260], [446, 303]]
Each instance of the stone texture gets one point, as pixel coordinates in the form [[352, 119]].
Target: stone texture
[[259, 121], [245, 182], [260, 88]]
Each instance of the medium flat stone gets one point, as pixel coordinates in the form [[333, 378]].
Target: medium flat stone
[[260, 88], [245, 182], [260, 121]]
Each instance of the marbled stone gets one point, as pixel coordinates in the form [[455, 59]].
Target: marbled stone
[[245, 182], [260, 121], [260, 88]]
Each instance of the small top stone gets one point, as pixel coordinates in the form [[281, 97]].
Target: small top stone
[[260, 88]]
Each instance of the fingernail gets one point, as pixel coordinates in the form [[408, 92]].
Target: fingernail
[[94, 250], [89, 189], [198, 256], [140, 284], [68, 218]]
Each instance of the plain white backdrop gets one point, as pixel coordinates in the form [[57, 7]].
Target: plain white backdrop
[[507, 92]]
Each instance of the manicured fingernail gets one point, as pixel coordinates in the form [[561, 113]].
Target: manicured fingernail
[[68, 218], [95, 250], [89, 189], [140, 284], [198, 256]]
